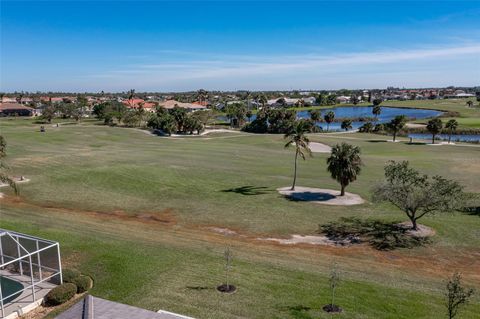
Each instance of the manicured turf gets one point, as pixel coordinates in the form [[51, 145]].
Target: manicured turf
[[86, 180]]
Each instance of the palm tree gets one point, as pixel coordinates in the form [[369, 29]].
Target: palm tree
[[377, 109], [296, 136], [131, 95], [344, 164], [315, 115], [434, 126], [4, 178], [469, 103], [396, 124], [451, 126], [262, 99], [346, 125], [329, 117]]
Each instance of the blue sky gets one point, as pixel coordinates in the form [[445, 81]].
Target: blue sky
[[227, 45]]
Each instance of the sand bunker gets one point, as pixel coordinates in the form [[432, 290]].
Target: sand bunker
[[319, 147], [321, 196]]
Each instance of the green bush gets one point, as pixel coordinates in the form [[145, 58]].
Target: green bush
[[60, 294], [83, 283], [69, 275]]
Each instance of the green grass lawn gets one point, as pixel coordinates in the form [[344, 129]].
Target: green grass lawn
[[469, 116], [86, 179]]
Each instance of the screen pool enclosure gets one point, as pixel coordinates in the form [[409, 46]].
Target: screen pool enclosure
[[27, 266]]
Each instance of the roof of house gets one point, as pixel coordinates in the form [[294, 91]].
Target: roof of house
[[14, 106], [97, 308], [170, 104], [133, 102]]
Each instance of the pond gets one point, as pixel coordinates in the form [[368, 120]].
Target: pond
[[444, 137], [388, 113]]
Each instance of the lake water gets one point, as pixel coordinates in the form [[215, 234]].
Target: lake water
[[388, 113], [455, 137]]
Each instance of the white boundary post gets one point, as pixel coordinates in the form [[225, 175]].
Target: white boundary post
[[19, 256], [39, 262], [59, 263], [31, 278]]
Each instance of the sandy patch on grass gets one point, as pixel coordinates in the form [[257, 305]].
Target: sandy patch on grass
[[440, 143], [17, 180], [415, 125], [422, 230], [319, 147], [321, 196], [306, 239], [222, 230]]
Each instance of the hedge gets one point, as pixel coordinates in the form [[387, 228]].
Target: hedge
[[60, 294]]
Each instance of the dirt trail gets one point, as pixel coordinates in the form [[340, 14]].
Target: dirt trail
[[361, 260]]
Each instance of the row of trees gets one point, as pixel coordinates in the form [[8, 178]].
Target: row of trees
[[65, 109], [178, 120], [278, 121]]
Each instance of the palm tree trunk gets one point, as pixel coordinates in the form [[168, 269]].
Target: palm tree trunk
[[342, 190], [295, 170], [449, 137], [394, 135], [433, 138]]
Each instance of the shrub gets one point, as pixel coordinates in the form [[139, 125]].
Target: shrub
[[69, 275], [83, 283], [60, 294]]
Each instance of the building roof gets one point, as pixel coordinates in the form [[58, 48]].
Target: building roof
[[170, 104], [97, 308], [14, 106], [133, 102]]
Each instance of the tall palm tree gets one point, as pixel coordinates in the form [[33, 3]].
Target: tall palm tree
[[434, 126], [315, 115], [451, 126], [296, 136], [344, 164], [4, 178], [346, 125], [377, 109], [262, 99], [396, 124], [329, 117]]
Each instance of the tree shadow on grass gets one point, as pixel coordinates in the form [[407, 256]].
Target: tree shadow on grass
[[309, 197], [473, 210], [378, 234], [199, 288], [248, 190], [299, 311]]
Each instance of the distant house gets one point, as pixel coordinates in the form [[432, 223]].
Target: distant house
[[343, 99], [170, 104], [96, 308], [15, 109], [6, 99]]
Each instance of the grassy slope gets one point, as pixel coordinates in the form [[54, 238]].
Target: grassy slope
[[469, 117], [106, 169]]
